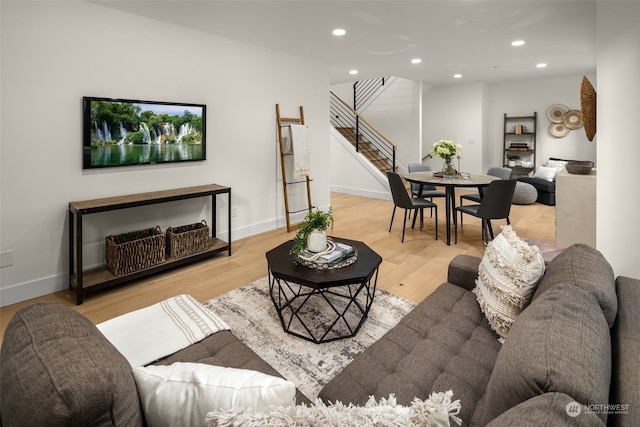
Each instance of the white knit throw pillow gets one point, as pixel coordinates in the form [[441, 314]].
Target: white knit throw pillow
[[507, 277]]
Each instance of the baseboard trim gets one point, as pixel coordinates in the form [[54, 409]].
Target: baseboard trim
[[34, 289], [360, 192], [37, 288]]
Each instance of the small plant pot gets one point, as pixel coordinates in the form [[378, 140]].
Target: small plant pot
[[317, 241], [512, 163]]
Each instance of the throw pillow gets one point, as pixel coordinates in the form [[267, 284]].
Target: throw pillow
[[561, 343], [507, 277], [546, 173], [433, 412], [181, 394], [558, 165]]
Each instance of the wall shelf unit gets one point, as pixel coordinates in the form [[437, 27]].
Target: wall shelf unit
[[99, 278], [519, 139]]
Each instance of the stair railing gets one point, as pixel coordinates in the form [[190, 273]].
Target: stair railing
[[365, 90], [343, 116]]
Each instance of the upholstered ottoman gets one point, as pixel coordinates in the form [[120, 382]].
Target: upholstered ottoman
[[525, 194], [546, 189]]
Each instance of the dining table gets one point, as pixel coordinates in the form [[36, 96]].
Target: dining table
[[450, 184]]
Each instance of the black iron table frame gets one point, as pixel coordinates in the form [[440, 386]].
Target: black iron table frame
[[282, 302]]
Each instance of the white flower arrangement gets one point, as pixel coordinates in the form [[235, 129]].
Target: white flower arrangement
[[445, 149]]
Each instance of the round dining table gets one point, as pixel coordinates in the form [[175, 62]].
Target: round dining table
[[450, 185]]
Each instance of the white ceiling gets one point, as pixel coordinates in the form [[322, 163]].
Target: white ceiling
[[470, 37]]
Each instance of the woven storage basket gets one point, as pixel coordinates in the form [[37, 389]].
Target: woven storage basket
[[187, 239], [134, 251]]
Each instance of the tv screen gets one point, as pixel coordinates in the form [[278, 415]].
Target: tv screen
[[123, 132]]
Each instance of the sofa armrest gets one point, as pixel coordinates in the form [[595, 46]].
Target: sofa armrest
[[463, 271], [625, 342]]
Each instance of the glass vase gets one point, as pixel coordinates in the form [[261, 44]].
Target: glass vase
[[448, 171]]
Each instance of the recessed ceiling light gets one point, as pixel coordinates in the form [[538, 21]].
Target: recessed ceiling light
[[416, 60], [457, 76], [339, 32], [541, 65], [353, 72], [517, 43]]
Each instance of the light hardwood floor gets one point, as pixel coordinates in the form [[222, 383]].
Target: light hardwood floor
[[411, 270]]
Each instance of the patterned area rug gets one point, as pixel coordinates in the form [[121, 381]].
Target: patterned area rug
[[252, 317]]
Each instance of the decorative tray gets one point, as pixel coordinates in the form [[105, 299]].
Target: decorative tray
[[337, 255], [463, 175]]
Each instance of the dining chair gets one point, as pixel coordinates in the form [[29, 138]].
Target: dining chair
[[500, 172], [495, 204], [428, 191], [401, 199]]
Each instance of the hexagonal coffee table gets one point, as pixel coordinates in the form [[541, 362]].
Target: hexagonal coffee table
[[322, 305]]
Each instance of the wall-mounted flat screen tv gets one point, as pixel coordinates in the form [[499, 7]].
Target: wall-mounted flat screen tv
[[123, 132]]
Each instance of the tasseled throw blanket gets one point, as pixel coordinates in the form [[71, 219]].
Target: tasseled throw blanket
[[159, 330]]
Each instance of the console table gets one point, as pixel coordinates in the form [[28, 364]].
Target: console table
[[99, 278]]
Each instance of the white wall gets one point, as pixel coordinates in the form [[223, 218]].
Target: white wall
[[55, 52], [618, 55], [465, 112], [396, 113], [455, 112], [351, 172], [522, 98]]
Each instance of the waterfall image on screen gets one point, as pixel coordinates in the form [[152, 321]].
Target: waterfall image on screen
[[121, 132]]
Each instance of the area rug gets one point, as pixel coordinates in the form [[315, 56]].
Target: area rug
[[252, 317]]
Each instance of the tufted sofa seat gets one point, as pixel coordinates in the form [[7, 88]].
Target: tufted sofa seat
[[403, 361]]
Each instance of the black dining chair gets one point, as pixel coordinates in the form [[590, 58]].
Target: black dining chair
[[401, 199], [500, 172], [495, 204], [428, 191]]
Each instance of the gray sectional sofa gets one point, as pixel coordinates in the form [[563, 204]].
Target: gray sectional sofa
[[578, 341], [576, 344]]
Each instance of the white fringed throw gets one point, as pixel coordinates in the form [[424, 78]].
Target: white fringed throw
[[159, 330], [437, 411]]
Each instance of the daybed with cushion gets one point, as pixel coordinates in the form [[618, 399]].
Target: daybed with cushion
[[566, 356], [544, 180]]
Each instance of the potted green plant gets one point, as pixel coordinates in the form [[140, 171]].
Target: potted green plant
[[512, 159], [312, 232]]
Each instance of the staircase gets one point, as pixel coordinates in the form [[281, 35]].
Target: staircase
[[365, 138], [368, 150]]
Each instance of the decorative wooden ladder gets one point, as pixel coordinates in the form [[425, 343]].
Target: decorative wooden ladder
[[281, 123]]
